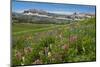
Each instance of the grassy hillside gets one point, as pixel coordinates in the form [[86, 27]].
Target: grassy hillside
[[46, 44]]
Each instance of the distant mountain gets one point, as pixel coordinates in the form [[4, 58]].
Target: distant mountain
[[42, 16], [35, 11]]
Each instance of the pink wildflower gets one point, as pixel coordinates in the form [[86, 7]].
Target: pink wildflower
[[37, 62], [18, 55], [65, 47], [72, 39]]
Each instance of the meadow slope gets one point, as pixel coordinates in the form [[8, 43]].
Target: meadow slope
[[52, 43]]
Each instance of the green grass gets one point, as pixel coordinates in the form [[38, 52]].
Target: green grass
[[32, 28], [44, 43], [17, 27]]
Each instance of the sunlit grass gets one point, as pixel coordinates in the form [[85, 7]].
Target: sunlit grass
[[73, 42]]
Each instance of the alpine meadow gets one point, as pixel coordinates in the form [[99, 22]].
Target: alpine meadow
[[41, 35]]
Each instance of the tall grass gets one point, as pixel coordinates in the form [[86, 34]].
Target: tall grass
[[73, 42]]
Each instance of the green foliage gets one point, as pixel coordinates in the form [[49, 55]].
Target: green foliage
[[73, 42]]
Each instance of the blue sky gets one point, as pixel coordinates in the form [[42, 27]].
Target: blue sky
[[51, 7]]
